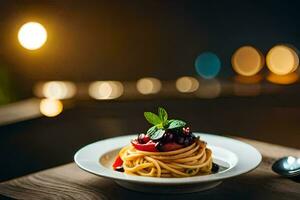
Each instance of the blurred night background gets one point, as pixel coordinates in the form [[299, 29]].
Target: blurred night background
[[106, 62]]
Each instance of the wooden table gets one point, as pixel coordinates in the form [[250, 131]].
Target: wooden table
[[70, 182]]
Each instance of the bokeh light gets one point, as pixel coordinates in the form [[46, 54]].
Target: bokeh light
[[102, 90], [282, 60], [247, 61], [283, 79], [187, 84], [209, 89], [32, 35], [58, 90], [249, 79], [51, 107], [148, 85], [208, 65]]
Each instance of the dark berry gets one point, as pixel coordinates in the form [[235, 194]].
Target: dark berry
[[180, 140], [176, 131], [164, 137], [187, 141], [159, 146], [146, 139], [186, 131], [120, 169], [168, 137], [215, 168], [142, 138]]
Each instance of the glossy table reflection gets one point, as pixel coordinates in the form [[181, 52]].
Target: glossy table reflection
[[69, 182]]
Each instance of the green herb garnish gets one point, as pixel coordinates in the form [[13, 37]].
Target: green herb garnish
[[161, 123]]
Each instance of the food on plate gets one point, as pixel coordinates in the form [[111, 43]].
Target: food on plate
[[168, 149]]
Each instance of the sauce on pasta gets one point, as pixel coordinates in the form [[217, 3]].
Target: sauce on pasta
[[169, 149]]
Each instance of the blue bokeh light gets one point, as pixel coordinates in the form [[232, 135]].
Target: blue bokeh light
[[208, 65]]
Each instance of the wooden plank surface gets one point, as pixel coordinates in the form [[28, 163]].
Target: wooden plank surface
[[69, 182], [20, 111]]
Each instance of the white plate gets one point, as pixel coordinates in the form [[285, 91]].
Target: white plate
[[235, 156]]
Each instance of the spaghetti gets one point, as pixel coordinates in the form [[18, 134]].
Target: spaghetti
[[192, 160]]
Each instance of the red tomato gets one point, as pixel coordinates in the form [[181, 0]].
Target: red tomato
[[118, 163], [149, 146]]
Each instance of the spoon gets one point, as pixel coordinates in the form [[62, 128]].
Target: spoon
[[287, 166]]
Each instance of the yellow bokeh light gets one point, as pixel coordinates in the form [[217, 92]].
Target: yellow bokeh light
[[32, 35], [106, 90], [209, 89], [247, 61], [59, 90], [249, 79], [187, 84], [283, 79], [148, 85], [51, 107], [282, 60]]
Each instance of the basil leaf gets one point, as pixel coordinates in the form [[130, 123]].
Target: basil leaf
[[174, 123], [152, 130], [163, 115], [157, 134], [152, 118], [160, 126]]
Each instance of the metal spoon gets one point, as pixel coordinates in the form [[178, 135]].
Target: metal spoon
[[287, 166]]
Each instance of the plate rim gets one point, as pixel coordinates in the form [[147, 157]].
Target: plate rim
[[169, 181]]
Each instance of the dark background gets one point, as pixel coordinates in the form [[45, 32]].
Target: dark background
[[127, 40], [96, 40]]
